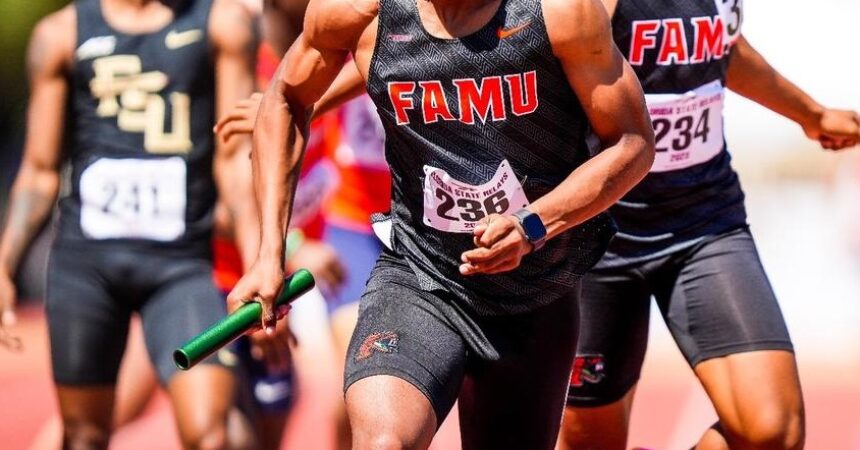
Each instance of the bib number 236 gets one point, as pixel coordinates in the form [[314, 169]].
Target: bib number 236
[[453, 206]]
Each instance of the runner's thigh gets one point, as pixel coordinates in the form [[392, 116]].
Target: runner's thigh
[[722, 302], [613, 336], [401, 333], [184, 303], [87, 326], [517, 401]]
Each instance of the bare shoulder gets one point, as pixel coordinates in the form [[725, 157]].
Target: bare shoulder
[[52, 43], [338, 24], [232, 24], [592, 23]]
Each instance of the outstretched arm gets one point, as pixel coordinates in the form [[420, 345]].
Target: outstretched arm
[[37, 184], [750, 75], [612, 99], [332, 29]]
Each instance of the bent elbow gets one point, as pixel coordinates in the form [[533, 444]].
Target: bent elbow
[[643, 150]]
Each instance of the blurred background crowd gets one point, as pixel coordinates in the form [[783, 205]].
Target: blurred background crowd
[[804, 211]]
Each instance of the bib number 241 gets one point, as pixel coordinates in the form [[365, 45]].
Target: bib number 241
[[134, 199]]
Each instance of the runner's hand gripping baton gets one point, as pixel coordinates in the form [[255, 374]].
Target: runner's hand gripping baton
[[238, 323]]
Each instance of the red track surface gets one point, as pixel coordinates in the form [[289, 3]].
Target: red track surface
[[671, 410]]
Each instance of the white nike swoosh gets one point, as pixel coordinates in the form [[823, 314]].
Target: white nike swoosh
[[96, 46], [176, 39]]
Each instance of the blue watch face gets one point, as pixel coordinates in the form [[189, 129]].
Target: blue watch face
[[533, 227]]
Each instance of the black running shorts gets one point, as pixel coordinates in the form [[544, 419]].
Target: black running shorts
[[714, 297], [90, 298], [516, 367]]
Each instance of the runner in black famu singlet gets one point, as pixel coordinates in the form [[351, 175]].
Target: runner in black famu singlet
[[486, 139], [684, 221], [432, 161], [692, 190], [536, 148], [683, 237]]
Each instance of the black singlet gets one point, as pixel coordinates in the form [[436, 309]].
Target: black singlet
[[692, 190], [467, 122], [140, 115]]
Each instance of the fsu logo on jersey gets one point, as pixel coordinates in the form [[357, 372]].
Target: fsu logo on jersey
[[135, 98], [489, 98], [666, 40]]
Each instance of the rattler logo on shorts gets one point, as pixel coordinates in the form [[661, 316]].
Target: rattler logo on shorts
[[384, 342], [587, 368]]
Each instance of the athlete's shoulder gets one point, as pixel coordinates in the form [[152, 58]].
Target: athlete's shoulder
[[338, 24], [57, 26], [232, 24], [591, 19], [52, 42]]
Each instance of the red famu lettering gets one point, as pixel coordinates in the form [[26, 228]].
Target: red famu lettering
[[480, 100], [709, 38], [644, 37], [667, 40], [433, 102], [523, 91], [483, 98], [674, 47], [398, 92]]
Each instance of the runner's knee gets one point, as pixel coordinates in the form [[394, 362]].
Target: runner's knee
[[206, 435], [597, 428], [84, 435], [385, 439], [773, 428], [778, 434]]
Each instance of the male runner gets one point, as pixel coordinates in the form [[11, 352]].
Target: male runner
[[683, 238], [138, 83], [487, 108]]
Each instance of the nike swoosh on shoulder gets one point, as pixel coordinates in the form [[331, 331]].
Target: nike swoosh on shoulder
[[508, 32], [175, 39]]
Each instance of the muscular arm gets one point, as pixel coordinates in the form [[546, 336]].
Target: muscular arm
[[332, 29], [750, 75], [613, 101], [234, 38], [37, 183]]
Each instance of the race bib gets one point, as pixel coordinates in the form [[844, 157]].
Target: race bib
[[134, 199], [688, 128], [456, 207]]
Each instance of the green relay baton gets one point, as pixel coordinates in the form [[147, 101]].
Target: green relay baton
[[234, 325]]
